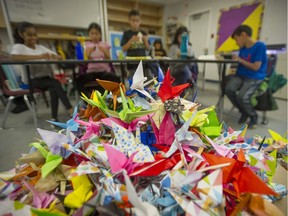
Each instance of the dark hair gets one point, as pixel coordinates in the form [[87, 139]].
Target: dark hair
[[95, 26], [242, 28], [20, 29], [134, 12], [159, 41], [179, 31]]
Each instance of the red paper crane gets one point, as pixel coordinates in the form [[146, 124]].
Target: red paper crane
[[167, 91]]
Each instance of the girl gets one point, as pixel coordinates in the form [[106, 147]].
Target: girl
[[182, 72], [98, 50], [158, 48], [25, 49]]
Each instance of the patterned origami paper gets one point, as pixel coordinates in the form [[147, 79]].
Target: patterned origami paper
[[128, 144], [210, 189]]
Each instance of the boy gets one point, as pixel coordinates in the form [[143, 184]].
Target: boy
[[135, 41], [251, 71]]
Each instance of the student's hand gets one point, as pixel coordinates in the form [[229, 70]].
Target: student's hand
[[135, 38], [45, 56], [145, 38], [102, 48]]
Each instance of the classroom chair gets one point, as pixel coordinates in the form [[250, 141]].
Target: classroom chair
[[10, 87], [256, 100]]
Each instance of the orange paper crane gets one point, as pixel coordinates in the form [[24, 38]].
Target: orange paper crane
[[167, 91], [113, 87], [243, 179]]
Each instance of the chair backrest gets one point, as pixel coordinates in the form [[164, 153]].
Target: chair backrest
[[271, 64], [10, 82]]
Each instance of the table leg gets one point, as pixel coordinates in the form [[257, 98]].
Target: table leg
[[220, 104]]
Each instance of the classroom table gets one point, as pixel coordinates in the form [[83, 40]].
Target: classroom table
[[222, 65]]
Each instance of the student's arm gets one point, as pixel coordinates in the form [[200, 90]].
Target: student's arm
[[251, 65], [146, 42], [19, 57]]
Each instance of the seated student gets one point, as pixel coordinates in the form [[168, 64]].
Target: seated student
[[134, 41], [182, 72], [26, 48], [98, 50], [251, 71], [159, 51]]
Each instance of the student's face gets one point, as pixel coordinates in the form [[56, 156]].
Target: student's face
[[134, 22], [157, 46], [95, 35], [240, 39], [29, 36]]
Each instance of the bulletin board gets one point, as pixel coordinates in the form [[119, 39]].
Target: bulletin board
[[248, 14], [66, 13]]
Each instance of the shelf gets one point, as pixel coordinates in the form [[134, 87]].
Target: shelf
[[126, 10], [126, 22], [59, 37]]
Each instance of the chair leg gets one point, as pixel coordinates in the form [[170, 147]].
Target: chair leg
[[264, 119], [10, 99], [45, 99], [32, 108]]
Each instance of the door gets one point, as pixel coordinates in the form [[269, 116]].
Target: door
[[198, 27]]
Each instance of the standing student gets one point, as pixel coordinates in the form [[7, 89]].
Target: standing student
[[98, 50], [27, 48], [251, 71], [134, 41]]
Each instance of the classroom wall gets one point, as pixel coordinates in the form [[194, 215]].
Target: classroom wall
[[274, 23], [5, 40]]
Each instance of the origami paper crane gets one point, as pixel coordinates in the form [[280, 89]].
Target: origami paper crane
[[53, 140], [243, 179], [212, 127], [52, 161], [167, 91], [82, 192], [40, 200], [211, 189], [138, 81], [165, 134], [84, 168], [69, 124], [140, 208], [128, 144], [113, 87], [91, 128], [118, 160], [10, 207], [129, 126], [128, 113], [229, 135]]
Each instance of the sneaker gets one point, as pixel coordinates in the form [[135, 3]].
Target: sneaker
[[243, 119], [253, 122]]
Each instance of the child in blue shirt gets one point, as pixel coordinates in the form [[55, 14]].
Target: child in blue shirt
[[250, 73]]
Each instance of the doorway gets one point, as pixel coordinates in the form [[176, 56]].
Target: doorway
[[199, 28]]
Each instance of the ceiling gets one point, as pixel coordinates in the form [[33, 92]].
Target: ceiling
[[162, 2]]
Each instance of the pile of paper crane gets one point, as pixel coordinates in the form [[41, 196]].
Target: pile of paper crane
[[144, 151]]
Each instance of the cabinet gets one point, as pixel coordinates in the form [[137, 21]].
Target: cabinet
[[151, 16]]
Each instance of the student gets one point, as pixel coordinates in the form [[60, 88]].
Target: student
[[251, 71], [25, 49], [159, 51], [98, 50], [182, 72], [134, 41]]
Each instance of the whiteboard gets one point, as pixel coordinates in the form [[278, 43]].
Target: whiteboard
[[66, 13]]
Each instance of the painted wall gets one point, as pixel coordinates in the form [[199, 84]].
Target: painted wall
[[274, 23]]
